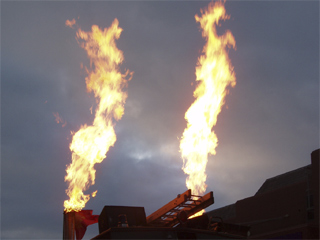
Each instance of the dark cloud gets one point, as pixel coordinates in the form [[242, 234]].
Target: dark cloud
[[269, 125]]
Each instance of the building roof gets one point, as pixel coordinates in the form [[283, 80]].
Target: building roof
[[285, 179], [277, 182], [226, 212]]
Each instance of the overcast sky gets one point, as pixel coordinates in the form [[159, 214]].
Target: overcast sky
[[269, 125]]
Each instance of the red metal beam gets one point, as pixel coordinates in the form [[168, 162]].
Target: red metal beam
[[181, 198]]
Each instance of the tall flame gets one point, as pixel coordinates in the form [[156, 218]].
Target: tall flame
[[91, 143], [214, 73]]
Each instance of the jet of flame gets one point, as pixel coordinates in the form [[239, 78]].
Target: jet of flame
[[91, 143], [214, 73]]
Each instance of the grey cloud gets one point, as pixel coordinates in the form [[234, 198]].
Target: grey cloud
[[269, 125]]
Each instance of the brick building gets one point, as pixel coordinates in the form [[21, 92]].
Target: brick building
[[285, 207]]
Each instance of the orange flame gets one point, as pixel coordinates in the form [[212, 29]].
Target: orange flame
[[91, 143], [70, 23], [59, 119], [214, 73]]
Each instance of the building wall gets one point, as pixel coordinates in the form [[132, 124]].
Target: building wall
[[275, 210], [289, 212]]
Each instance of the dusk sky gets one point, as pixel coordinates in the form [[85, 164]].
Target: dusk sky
[[268, 126]]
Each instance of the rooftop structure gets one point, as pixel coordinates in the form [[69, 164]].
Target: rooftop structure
[[286, 206]]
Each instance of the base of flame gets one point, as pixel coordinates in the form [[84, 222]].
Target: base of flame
[[68, 225]]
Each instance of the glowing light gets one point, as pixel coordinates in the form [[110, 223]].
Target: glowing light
[[214, 74], [91, 143]]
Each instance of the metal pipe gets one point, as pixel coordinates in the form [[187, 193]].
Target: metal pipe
[[68, 225]]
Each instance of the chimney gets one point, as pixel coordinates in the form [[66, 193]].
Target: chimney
[[315, 159]]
